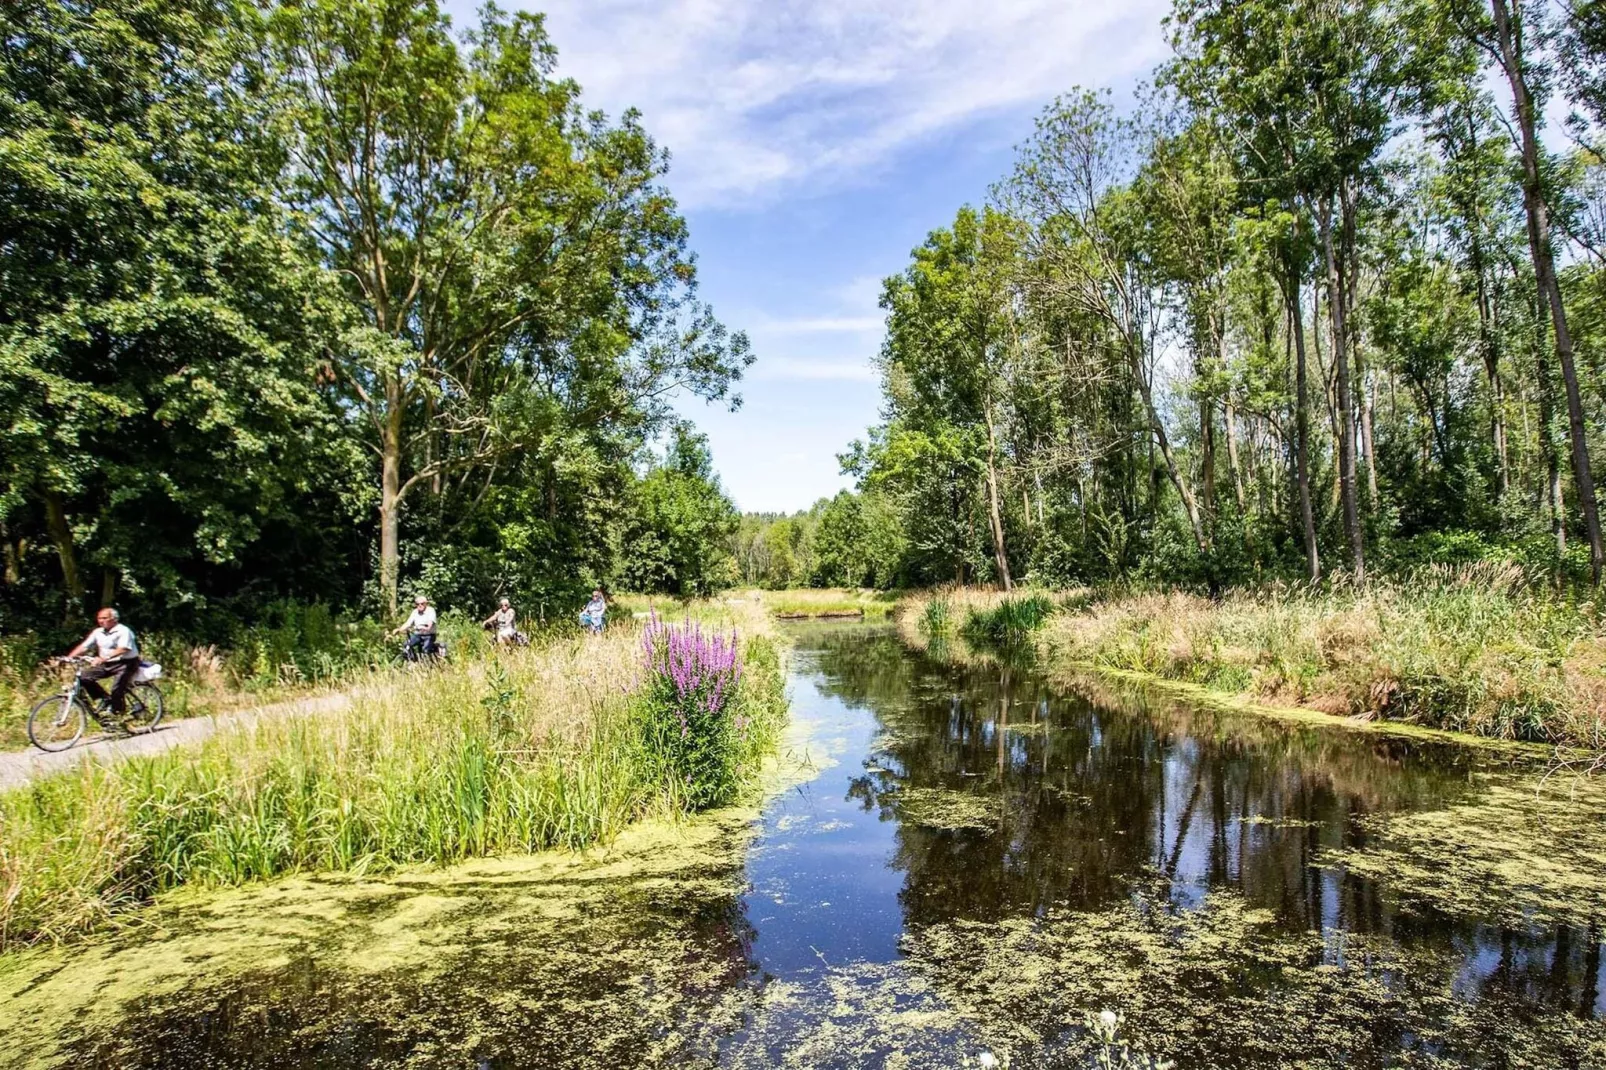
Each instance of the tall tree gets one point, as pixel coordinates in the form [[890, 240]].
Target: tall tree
[[1501, 29], [157, 409], [480, 219], [1305, 93]]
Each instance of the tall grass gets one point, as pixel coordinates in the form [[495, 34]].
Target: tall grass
[[542, 748], [1009, 623], [1476, 649]]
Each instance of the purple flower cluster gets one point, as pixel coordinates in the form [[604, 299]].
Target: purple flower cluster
[[703, 668]]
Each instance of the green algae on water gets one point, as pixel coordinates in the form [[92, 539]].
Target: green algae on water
[[1520, 851], [1224, 985], [945, 809]]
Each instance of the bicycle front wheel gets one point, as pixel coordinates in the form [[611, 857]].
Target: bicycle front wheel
[[145, 708], [57, 722]]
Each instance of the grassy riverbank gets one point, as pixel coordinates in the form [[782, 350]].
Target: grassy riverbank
[[544, 747], [1476, 650]]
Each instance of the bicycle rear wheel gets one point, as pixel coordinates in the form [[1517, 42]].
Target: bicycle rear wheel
[[145, 708], [55, 723]]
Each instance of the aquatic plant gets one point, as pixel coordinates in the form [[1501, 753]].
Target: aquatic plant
[[693, 729], [1009, 623], [1115, 1053], [935, 622]]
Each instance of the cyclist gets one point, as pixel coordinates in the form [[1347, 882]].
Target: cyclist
[[591, 616], [420, 629], [116, 659], [503, 618]]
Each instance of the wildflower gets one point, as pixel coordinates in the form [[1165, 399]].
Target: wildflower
[[1109, 1018], [987, 1059]]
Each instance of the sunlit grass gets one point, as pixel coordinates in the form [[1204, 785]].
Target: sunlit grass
[[532, 749], [1476, 649]]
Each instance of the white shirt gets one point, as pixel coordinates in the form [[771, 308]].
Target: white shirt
[[421, 621], [118, 637]]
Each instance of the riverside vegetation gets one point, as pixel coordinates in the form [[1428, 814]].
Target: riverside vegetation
[[563, 745], [1478, 649]]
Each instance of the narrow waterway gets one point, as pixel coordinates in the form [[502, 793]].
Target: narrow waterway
[[981, 862]]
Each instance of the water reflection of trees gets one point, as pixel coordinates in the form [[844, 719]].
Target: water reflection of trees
[[1107, 789]]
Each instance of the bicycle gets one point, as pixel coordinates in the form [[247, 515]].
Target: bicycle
[[433, 654], [59, 721]]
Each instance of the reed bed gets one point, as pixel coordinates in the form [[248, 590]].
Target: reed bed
[[1480, 649], [528, 750]]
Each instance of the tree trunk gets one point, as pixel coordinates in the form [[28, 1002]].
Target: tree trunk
[[1307, 514], [1550, 493], [994, 515], [1189, 505], [390, 444], [1489, 347], [14, 550], [1365, 399], [1344, 401], [1538, 211], [1234, 471], [61, 534]]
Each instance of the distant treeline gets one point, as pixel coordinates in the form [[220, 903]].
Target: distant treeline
[[1327, 300], [320, 300]]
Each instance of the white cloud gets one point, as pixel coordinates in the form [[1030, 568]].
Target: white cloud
[[761, 98], [821, 325], [811, 369]]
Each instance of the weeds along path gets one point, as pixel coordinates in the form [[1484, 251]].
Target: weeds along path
[[19, 768]]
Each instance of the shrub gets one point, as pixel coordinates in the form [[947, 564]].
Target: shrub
[[935, 621], [691, 723]]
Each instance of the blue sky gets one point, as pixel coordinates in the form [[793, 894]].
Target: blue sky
[[814, 144]]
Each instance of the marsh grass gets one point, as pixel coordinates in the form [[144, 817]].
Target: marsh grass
[[539, 748], [823, 602], [1009, 623], [1474, 649]]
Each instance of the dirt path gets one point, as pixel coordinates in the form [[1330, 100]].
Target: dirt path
[[22, 767]]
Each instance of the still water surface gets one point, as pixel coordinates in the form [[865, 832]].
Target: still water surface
[[983, 861]]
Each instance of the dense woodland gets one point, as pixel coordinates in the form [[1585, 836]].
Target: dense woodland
[[319, 299], [1330, 299]]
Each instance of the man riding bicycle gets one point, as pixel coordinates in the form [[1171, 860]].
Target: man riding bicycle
[[420, 626], [116, 659]]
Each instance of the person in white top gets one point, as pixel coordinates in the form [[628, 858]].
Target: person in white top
[[420, 629], [591, 615], [504, 618], [116, 658]]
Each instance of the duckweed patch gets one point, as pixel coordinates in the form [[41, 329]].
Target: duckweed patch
[[1518, 852], [948, 810], [1224, 985]]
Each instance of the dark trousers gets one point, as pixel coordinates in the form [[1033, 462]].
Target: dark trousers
[[419, 644], [120, 672]]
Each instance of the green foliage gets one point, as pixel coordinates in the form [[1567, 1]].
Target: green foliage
[[936, 619], [676, 542], [308, 302], [1009, 623]]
